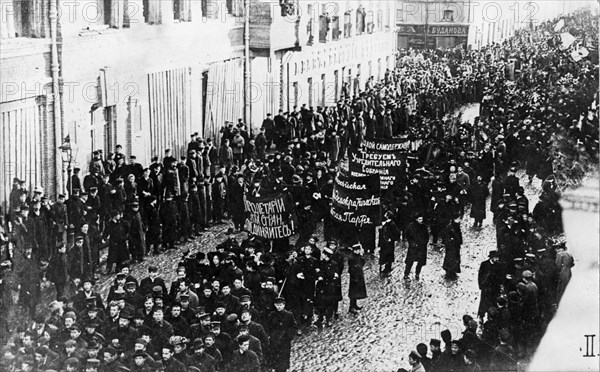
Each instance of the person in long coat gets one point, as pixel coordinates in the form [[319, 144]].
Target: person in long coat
[[153, 233], [137, 236], [417, 237], [326, 287], [357, 289], [564, 263], [58, 270], [452, 239], [388, 236], [237, 193], [478, 193], [281, 328], [168, 219], [490, 277], [116, 232]]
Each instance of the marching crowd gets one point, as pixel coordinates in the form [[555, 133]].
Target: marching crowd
[[238, 307]]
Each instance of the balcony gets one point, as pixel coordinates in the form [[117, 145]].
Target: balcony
[[274, 24]]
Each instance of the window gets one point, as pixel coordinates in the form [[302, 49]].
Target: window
[[370, 23], [347, 24], [360, 20], [182, 10], [335, 28], [379, 20], [448, 15], [399, 16], [324, 27], [163, 12], [24, 19], [309, 25]]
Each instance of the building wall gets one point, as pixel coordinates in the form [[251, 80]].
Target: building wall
[[433, 24], [325, 58], [152, 73], [133, 75], [27, 141]]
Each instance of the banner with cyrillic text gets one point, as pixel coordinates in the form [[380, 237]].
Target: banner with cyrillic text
[[384, 157], [356, 202], [270, 216]]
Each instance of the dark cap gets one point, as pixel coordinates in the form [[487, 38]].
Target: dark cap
[[279, 300]]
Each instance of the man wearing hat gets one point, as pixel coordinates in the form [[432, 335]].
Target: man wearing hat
[[388, 236], [199, 358], [490, 278], [282, 327], [452, 239], [141, 362], [88, 296], [116, 234], [417, 237], [170, 363], [152, 280], [414, 359], [244, 359], [357, 289], [137, 235]]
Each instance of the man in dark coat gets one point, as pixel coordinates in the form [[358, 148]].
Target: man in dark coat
[[281, 327], [357, 289], [153, 232], [244, 359], [325, 289], [171, 364], [388, 236], [137, 237], [452, 239], [236, 202], [490, 278], [58, 270], [168, 219], [306, 277], [417, 237], [116, 233], [478, 194]]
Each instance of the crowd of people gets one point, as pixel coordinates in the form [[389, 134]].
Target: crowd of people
[[239, 306]]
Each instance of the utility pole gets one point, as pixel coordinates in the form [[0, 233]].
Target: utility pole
[[247, 69]]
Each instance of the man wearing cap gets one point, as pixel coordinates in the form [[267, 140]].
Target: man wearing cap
[[490, 278], [223, 341], [281, 327], [201, 327], [417, 237]]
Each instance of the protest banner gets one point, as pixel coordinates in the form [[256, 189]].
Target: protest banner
[[381, 156], [356, 202], [270, 217]]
